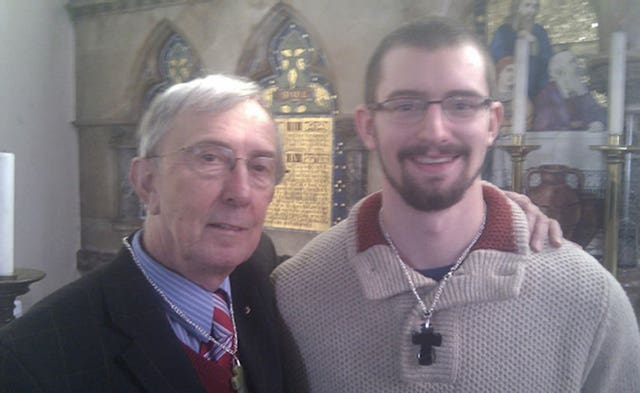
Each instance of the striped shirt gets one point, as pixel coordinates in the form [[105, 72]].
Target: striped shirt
[[194, 301]]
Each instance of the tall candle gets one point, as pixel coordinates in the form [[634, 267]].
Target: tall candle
[[7, 198], [520, 87], [617, 72]]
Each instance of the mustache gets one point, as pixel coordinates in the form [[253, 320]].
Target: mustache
[[420, 150]]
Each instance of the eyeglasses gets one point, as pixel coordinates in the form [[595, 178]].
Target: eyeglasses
[[412, 110], [211, 159]]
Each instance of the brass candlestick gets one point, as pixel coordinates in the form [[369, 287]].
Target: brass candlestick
[[518, 152], [614, 153]]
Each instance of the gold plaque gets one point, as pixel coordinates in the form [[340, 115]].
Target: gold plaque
[[303, 200]]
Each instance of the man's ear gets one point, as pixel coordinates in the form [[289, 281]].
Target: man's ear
[[496, 115], [364, 125], [142, 176]]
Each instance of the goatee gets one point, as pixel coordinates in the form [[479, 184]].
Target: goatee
[[429, 196]]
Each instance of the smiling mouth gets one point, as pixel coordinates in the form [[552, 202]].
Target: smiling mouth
[[226, 227], [433, 160]]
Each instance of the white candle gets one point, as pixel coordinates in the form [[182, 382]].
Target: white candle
[[7, 198], [521, 86], [617, 71]]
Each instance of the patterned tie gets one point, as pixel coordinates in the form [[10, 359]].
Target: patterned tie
[[222, 331]]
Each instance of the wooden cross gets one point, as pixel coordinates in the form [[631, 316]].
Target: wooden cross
[[427, 339]]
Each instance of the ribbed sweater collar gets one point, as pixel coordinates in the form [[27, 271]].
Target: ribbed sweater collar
[[498, 233], [493, 270]]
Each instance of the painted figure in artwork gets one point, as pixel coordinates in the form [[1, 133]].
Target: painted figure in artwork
[[506, 71], [565, 103], [521, 23]]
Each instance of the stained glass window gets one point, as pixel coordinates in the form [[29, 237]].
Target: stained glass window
[[176, 64]]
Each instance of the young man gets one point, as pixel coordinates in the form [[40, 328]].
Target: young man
[[430, 285], [186, 306]]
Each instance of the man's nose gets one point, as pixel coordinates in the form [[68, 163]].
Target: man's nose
[[237, 185], [433, 126]]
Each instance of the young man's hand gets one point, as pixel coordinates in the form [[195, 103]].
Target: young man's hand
[[541, 227]]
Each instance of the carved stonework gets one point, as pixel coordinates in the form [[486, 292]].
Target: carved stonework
[[81, 8], [129, 210]]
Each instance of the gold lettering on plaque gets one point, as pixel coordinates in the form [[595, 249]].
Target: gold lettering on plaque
[[303, 199]]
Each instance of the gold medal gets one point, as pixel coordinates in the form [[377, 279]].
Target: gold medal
[[237, 381]]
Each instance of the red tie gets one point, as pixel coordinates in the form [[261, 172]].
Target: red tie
[[222, 331]]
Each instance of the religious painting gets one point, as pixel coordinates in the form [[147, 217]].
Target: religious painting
[[562, 115], [562, 38]]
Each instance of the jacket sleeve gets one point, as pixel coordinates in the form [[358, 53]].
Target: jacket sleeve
[[14, 377]]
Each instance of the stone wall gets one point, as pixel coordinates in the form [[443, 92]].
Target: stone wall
[[37, 101], [113, 44], [114, 41]]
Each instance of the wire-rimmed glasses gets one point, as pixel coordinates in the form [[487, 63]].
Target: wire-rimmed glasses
[[212, 159], [412, 110]]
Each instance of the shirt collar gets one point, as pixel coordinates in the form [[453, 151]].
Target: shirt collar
[[193, 300]]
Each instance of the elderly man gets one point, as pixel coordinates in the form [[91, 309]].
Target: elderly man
[[209, 159], [430, 285]]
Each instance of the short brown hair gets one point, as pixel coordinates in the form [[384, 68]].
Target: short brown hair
[[430, 35]]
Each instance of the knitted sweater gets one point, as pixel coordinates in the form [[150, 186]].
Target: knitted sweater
[[511, 320]]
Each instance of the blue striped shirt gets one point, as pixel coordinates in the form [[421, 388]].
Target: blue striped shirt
[[194, 301]]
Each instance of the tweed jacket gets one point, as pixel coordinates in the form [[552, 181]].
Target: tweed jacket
[[108, 332]]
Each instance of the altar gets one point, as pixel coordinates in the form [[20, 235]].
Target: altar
[[564, 176], [569, 148]]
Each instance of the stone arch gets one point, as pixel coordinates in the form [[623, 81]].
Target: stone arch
[[150, 73], [255, 59]]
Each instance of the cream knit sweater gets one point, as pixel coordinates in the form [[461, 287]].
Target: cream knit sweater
[[511, 320]]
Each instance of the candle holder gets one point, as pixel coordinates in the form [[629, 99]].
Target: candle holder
[[614, 153], [518, 152], [14, 286]]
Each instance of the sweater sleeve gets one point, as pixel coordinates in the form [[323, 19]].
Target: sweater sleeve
[[614, 362]]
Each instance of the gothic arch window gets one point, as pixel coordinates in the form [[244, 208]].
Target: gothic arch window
[[175, 64], [294, 89]]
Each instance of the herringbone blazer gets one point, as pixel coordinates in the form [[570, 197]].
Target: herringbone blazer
[[108, 332]]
